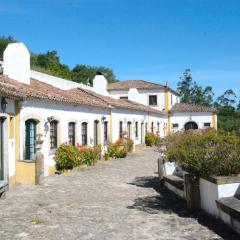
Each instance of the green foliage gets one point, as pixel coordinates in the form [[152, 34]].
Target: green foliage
[[85, 74], [50, 63], [68, 156], [226, 104], [116, 150], [205, 153], [126, 142], [191, 92], [151, 139]]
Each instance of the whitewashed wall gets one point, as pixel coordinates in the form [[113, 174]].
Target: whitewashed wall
[[143, 97], [56, 81], [183, 118], [64, 114]]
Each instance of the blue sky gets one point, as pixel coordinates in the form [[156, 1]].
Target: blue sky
[[139, 39]]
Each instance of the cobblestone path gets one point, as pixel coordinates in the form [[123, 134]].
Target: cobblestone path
[[118, 199]]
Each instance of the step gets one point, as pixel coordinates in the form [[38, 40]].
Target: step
[[230, 205], [175, 181], [3, 186]]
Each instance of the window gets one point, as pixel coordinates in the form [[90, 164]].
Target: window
[[175, 125], [171, 99], [146, 127], [84, 133], [96, 132], [136, 129], [153, 100], [152, 127], [120, 129], [158, 127], [71, 133], [129, 130], [105, 131], [53, 134], [30, 138], [126, 98], [207, 124]]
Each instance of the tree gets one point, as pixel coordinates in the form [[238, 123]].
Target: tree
[[227, 114], [191, 92], [184, 86], [85, 74], [50, 63]]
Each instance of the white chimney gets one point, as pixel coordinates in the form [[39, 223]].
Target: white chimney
[[100, 84], [16, 62], [133, 95]]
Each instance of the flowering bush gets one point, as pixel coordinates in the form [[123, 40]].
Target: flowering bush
[[151, 139], [68, 156], [126, 142], [205, 153], [120, 148]]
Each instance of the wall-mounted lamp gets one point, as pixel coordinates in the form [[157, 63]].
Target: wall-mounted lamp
[[103, 118], [50, 118], [3, 104]]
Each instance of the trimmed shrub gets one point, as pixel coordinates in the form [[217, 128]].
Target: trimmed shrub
[[205, 153]]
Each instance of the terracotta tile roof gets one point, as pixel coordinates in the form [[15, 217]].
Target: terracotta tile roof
[[37, 90], [185, 107], [139, 84], [120, 103], [41, 91]]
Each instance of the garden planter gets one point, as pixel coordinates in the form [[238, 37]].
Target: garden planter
[[214, 188]]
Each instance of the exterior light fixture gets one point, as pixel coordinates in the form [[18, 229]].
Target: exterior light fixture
[[103, 118], [4, 104]]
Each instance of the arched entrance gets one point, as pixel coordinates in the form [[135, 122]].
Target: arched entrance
[[190, 126]]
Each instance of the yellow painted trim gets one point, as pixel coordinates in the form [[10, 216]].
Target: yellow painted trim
[[169, 124], [51, 170], [11, 127], [111, 132], [25, 173], [214, 120], [166, 99]]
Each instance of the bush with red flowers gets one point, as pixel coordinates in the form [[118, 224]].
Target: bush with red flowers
[[68, 156]]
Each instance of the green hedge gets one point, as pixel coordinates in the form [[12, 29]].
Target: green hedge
[[205, 153]]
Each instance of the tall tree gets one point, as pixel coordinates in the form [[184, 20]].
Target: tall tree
[[184, 86], [191, 92]]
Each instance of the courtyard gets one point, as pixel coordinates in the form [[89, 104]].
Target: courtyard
[[116, 199]]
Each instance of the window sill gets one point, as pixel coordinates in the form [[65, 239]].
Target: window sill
[[26, 161]]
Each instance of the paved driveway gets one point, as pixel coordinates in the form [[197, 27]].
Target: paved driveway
[[118, 199]]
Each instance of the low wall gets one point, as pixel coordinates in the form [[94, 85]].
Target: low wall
[[212, 189]]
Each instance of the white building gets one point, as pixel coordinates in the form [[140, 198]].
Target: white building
[[36, 105]]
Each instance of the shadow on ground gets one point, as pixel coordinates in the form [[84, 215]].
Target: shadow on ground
[[167, 202]]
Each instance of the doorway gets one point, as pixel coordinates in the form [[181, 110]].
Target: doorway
[[190, 126]]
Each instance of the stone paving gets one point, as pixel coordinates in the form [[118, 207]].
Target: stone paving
[[118, 199]]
